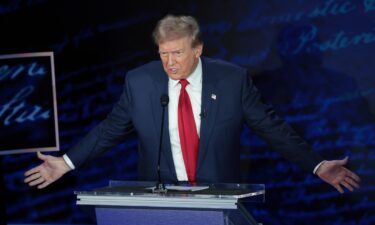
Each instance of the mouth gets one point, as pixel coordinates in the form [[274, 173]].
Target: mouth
[[172, 70]]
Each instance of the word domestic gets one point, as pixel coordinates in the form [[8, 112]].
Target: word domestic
[[329, 8]]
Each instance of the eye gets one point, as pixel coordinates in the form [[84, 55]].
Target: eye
[[178, 53], [163, 54]]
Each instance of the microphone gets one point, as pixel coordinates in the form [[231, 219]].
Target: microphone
[[164, 100], [160, 187], [203, 114]]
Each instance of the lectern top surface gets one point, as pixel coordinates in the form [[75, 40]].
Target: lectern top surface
[[223, 191]]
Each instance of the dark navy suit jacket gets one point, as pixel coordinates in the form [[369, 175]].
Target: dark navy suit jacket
[[229, 100]]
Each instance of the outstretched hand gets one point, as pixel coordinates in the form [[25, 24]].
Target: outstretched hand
[[46, 173], [334, 173]]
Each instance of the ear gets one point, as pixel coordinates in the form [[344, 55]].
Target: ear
[[198, 50]]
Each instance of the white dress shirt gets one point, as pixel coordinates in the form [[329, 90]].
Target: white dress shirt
[[194, 89]]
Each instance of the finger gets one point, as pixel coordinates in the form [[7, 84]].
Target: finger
[[347, 185], [43, 185], [42, 156], [343, 162], [37, 181], [32, 171], [338, 188], [352, 182], [354, 176], [32, 177]]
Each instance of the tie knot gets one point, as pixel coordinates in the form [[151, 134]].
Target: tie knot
[[184, 83]]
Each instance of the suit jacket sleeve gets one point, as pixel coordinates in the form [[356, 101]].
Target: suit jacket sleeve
[[107, 134], [263, 120]]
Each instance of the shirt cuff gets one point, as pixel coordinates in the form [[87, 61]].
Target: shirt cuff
[[317, 166], [68, 161]]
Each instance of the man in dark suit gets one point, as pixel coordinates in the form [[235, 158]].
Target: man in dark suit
[[210, 100]]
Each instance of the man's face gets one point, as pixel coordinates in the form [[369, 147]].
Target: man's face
[[179, 58]]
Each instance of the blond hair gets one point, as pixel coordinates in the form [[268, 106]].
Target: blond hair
[[173, 27]]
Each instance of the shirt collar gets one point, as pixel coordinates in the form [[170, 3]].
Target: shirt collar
[[195, 78]]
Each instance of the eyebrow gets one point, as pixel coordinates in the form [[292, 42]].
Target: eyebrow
[[178, 50]]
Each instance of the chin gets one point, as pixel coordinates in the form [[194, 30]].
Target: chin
[[175, 76]]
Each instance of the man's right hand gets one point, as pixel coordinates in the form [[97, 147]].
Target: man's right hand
[[46, 173]]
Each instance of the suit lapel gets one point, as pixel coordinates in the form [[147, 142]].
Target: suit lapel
[[209, 108]]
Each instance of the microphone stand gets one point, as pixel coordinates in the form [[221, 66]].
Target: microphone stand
[[160, 186]]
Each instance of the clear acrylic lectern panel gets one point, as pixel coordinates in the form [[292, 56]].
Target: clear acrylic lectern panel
[[133, 202]]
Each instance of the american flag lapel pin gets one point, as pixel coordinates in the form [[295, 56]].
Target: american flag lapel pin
[[213, 96]]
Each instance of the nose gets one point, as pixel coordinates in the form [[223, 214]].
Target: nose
[[171, 60]]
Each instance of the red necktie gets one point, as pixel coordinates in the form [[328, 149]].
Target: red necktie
[[188, 132]]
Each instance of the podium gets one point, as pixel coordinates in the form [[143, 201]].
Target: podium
[[133, 202]]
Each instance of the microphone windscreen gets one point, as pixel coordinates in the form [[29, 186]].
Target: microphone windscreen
[[164, 100]]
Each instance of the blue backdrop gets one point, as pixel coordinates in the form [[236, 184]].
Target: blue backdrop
[[312, 60]]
